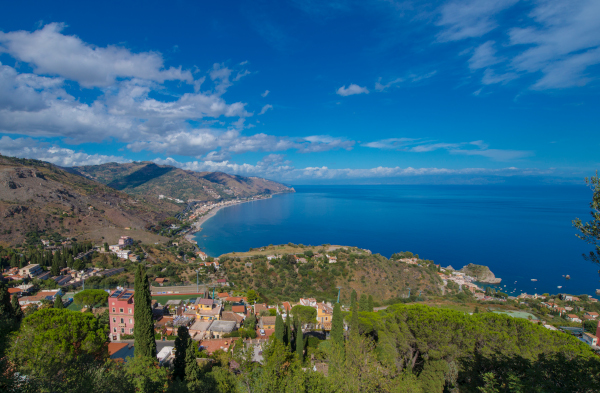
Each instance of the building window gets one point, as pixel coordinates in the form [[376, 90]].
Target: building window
[[113, 309], [122, 321], [123, 330], [115, 320], [129, 320], [121, 310], [115, 330], [131, 330], [129, 311]]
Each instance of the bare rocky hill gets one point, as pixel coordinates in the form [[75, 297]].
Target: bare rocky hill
[[36, 195]]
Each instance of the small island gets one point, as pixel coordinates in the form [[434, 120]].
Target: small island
[[481, 273]]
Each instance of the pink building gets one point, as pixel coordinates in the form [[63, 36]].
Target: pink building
[[598, 330], [120, 309]]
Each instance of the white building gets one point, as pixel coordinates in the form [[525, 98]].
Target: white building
[[116, 247], [590, 339], [123, 254]]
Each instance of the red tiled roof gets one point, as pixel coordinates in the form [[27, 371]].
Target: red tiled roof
[[211, 346], [14, 290], [241, 309], [115, 347]]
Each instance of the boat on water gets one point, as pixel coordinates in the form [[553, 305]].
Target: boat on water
[[534, 279], [560, 286], [568, 277]]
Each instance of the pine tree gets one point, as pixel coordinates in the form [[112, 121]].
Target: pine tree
[[55, 269], [17, 312], [22, 261], [337, 325], [13, 261], [181, 344], [279, 328], [288, 330], [6, 310], [354, 311], [70, 261], [370, 303], [145, 344], [58, 302], [299, 341]]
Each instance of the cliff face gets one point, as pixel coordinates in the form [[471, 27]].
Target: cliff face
[[482, 273]]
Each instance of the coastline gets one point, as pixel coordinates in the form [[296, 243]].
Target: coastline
[[197, 224]]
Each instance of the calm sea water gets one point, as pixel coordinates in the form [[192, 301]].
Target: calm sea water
[[521, 233]]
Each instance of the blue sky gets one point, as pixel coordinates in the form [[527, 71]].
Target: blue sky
[[308, 91]]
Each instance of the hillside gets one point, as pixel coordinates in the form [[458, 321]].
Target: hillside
[[151, 180], [286, 279], [38, 196]]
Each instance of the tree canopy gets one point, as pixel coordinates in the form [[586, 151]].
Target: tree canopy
[[590, 231], [90, 297]]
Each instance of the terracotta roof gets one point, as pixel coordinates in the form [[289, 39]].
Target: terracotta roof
[[206, 302], [211, 346], [232, 316], [259, 307], [287, 306], [221, 280], [14, 290], [222, 294], [241, 309], [115, 347], [572, 316], [269, 320], [234, 299]]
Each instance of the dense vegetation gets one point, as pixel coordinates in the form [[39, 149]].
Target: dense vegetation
[[286, 279]]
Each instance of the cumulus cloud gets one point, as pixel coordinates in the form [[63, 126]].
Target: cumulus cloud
[[266, 93], [351, 90], [30, 148], [51, 52], [265, 109]]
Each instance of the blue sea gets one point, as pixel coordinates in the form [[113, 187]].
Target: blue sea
[[521, 233]]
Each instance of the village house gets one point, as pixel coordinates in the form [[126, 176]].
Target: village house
[[589, 339], [260, 307], [311, 302], [123, 254], [219, 328], [331, 258], [573, 318], [48, 295], [267, 322], [324, 315], [201, 255], [591, 314], [239, 309], [232, 316], [200, 330], [224, 344], [206, 309], [125, 241], [34, 271]]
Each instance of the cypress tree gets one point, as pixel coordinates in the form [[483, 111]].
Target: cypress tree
[[279, 328], [6, 310], [13, 261], [145, 344], [55, 269], [58, 303], [364, 303], [181, 344], [70, 261], [17, 312], [22, 261], [354, 317], [299, 340], [192, 370], [288, 330], [370, 303], [337, 325]]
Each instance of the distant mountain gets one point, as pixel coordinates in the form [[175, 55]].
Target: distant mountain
[[36, 195], [151, 180]]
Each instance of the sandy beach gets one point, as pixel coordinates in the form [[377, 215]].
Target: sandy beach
[[197, 224]]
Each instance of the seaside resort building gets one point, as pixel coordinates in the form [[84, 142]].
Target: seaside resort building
[[120, 310]]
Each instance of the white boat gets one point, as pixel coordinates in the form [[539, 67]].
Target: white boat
[[560, 286], [534, 279]]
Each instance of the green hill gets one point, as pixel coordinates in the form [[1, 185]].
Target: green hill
[[151, 180]]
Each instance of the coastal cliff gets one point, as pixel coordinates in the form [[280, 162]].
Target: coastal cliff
[[481, 273]]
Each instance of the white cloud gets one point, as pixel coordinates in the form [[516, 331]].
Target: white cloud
[[30, 148], [381, 87], [265, 109], [351, 90], [490, 77], [468, 19], [53, 53], [266, 93], [484, 56], [474, 148]]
